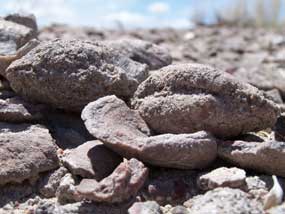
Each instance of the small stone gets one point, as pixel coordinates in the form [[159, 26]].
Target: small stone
[[222, 177], [148, 207], [65, 192], [180, 210], [91, 160], [122, 184]]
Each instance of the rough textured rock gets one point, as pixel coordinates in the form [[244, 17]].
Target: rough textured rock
[[49, 183], [180, 210], [148, 207], [186, 98], [226, 201], [122, 184], [91, 160], [18, 110], [65, 192], [25, 151], [222, 177], [124, 131], [68, 74], [265, 156], [13, 36], [28, 20], [142, 51]]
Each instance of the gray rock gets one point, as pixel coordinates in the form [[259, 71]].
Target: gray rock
[[65, 192], [49, 183], [13, 36], [142, 51], [226, 201], [124, 183], [91, 160], [274, 95], [186, 98], [222, 177], [180, 210], [28, 20], [148, 207], [17, 110], [70, 74], [124, 131], [265, 156], [25, 151]]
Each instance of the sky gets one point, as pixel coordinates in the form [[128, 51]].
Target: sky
[[108, 13]]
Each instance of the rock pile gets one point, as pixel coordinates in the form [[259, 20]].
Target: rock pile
[[106, 124]]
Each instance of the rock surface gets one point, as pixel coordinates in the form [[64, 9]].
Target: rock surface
[[226, 201], [142, 51], [186, 98], [148, 207], [25, 151], [265, 156], [121, 185], [123, 130], [222, 177], [68, 74], [91, 160]]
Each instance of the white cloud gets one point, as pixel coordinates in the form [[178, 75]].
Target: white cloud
[[127, 18], [159, 7], [45, 10]]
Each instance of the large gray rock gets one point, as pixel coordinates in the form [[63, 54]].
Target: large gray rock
[[148, 207], [25, 151], [121, 185], [124, 131], [226, 201], [268, 156], [91, 160], [68, 74], [186, 98], [142, 51]]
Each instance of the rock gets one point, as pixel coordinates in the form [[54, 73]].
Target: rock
[[256, 186], [142, 51], [265, 156], [180, 210], [25, 151], [222, 177], [122, 184], [274, 95], [275, 195], [16, 110], [5, 94], [13, 36], [170, 186], [279, 128], [226, 201], [91, 160], [277, 210], [148, 207], [28, 20], [124, 131], [70, 74], [65, 192], [49, 183], [185, 98]]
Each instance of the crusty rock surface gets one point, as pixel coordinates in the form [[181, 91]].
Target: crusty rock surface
[[25, 151], [149, 207], [185, 98], [226, 201], [124, 131], [142, 51], [121, 185], [222, 177], [91, 160], [265, 156], [17, 110], [68, 74]]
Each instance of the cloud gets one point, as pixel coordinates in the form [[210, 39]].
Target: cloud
[[46, 11], [159, 7], [127, 18]]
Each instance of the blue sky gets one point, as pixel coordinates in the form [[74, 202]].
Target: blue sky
[[105, 13]]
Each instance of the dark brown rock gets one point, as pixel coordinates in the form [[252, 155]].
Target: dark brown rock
[[122, 184], [91, 160], [124, 131], [68, 74], [186, 98]]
